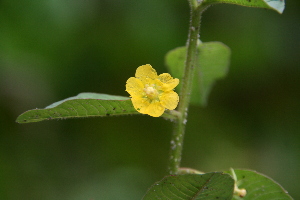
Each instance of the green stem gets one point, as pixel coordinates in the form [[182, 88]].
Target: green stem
[[191, 57]]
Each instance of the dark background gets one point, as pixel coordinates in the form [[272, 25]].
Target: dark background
[[51, 50]]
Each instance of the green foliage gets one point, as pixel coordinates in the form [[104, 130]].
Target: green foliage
[[214, 185], [277, 5], [213, 64], [259, 186], [82, 105]]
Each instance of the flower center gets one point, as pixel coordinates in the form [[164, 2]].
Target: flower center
[[151, 92]]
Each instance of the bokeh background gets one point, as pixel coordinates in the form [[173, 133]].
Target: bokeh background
[[54, 49]]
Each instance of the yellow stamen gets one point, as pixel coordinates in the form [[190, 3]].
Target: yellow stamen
[[151, 92]]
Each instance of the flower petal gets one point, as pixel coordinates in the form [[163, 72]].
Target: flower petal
[[155, 109], [140, 104], [135, 87], [169, 100], [169, 83], [145, 72]]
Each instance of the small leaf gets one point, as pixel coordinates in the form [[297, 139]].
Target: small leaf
[[210, 186], [277, 5], [213, 63], [259, 186], [82, 105]]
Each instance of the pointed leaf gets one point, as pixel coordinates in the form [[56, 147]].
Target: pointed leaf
[[277, 5], [82, 105], [259, 186], [208, 186], [213, 63]]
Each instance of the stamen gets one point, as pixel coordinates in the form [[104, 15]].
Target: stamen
[[151, 92]]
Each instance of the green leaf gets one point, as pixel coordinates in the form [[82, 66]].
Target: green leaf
[[277, 5], [213, 64], [82, 105], [210, 186], [259, 186]]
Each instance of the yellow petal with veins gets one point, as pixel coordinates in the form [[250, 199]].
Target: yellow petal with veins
[[140, 104], [169, 100], [169, 83], [155, 109], [135, 87], [145, 73]]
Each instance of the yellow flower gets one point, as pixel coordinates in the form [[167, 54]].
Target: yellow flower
[[152, 94]]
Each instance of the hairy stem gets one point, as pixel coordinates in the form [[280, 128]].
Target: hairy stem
[[190, 64]]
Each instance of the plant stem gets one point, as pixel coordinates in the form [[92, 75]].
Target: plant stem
[[190, 64]]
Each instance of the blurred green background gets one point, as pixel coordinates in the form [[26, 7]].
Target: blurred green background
[[54, 49]]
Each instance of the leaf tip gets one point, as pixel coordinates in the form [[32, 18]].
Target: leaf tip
[[278, 5]]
